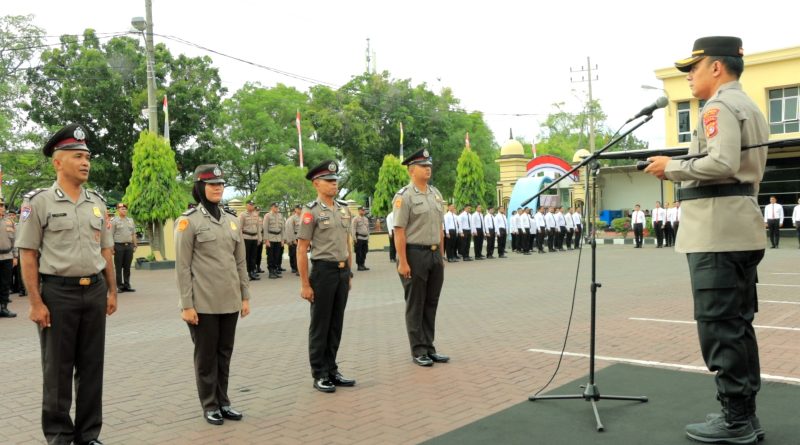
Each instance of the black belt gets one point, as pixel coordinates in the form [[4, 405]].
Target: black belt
[[72, 281], [123, 244], [714, 191], [330, 264], [5, 251], [274, 233], [249, 233], [431, 247]]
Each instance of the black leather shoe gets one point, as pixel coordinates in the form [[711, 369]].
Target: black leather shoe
[[467, 259], [360, 268], [120, 290], [339, 380], [439, 358], [502, 256], [230, 413], [93, 442], [324, 385], [423, 360], [214, 417], [254, 277], [273, 276], [128, 288], [5, 313], [281, 270]]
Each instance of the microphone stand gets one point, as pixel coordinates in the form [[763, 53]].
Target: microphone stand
[[591, 393]]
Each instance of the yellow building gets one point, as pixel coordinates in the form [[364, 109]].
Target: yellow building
[[513, 165]]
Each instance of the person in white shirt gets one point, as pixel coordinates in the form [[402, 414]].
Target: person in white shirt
[[478, 231], [541, 228], [561, 228], [489, 232], [534, 230], [773, 221], [677, 223], [796, 221], [501, 225], [659, 216], [465, 237], [525, 232], [570, 227], [669, 225], [390, 232], [576, 218], [515, 231], [638, 223], [550, 225], [450, 233]]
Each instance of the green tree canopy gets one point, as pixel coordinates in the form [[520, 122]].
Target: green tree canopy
[[470, 183], [391, 178], [19, 38], [285, 184]]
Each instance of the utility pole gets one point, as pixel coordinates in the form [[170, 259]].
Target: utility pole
[[590, 106], [368, 56], [152, 109]]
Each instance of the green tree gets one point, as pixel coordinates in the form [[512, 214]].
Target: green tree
[[154, 193], [285, 184], [19, 38], [391, 178], [24, 170], [470, 183]]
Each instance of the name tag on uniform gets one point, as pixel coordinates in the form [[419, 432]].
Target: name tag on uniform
[[56, 215]]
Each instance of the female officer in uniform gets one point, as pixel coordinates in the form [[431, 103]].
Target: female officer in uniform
[[213, 285]]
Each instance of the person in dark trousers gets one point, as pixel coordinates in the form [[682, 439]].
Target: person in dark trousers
[[250, 222], [360, 227], [723, 259], [476, 222], [325, 225], [659, 215], [465, 237], [273, 238], [773, 221], [123, 230], [638, 222], [8, 260], [211, 266], [419, 208], [290, 236], [501, 223], [66, 245], [390, 232], [491, 232]]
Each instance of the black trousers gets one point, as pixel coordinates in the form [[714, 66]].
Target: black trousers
[[6, 272], [361, 249], [16, 280], [551, 238], [562, 233], [393, 249], [274, 256], [293, 257], [675, 226], [669, 234], [251, 253], [465, 242], [451, 244], [578, 234], [73, 347], [659, 228], [525, 243], [540, 239], [570, 232], [638, 233], [123, 256], [501, 241], [774, 232], [331, 287], [478, 243], [421, 293], [213, 340], [490, 243], [725, 303], [259, 255]]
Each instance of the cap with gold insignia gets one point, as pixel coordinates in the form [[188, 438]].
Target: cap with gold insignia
[[208, 173], [324, 170], [71, 137], [421, 157], [711, 46]]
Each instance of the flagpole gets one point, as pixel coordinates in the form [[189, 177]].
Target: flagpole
[[166, 120], [401, 141], [299, 138]]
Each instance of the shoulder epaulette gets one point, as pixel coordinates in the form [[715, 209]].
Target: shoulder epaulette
[[230, 211], [189, 212], [342, 202], [33, 193], [311, 204], [401, 191], [98, 194]]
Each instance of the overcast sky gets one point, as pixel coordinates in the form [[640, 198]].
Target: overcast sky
[[500, 57]]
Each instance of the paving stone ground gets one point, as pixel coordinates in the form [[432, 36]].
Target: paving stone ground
[[491, 314]]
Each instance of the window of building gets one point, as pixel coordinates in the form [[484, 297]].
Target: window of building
[[684, 117], [783, 110]]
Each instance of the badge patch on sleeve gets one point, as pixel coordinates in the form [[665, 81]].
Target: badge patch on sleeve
[[25, 213], [398, 202], [307, 218], [710, 122], [183, 224]]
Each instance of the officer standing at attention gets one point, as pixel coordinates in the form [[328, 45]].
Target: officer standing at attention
[[638, 222], [290, 232], [476, 222], [124, 232], [325, 225], [722, 260], [8, 260], [466, 232], [659, 215], [501, 224], [361, 237], [64, 241], [488, 224], [773, 221], [419, 208], [250, 222], [273, 238], [796, 220]]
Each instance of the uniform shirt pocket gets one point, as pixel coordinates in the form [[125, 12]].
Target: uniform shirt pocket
[[324, 222], [204, 236], [419, 205]]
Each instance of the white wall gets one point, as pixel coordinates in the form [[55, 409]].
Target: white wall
[[623, 189]]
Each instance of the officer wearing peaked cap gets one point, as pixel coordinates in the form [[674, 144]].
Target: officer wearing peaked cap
[[325, 224], [213, 286], [723, 259], [419, 239], [8, 260], [64, 241]]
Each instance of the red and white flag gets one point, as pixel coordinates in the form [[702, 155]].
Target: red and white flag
[[166, 119], [299, 138]]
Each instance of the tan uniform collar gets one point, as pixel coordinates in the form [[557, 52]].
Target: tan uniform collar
[[732, 85], [61, 196], [207, 214]]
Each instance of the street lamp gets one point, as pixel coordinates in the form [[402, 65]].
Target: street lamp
[[141, 24]]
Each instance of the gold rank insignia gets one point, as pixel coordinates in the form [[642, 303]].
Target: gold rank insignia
[[97, 212], [233, 225]]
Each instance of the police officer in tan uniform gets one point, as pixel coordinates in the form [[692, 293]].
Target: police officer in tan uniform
[[8, 260], [273, 238], [123, 231], [419, 209], [64, 241], [214, 290], [723, 257], [325, 225], [290, 231], [361, 237], [250, 221]]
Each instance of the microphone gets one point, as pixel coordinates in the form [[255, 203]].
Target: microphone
[[661, 102]]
